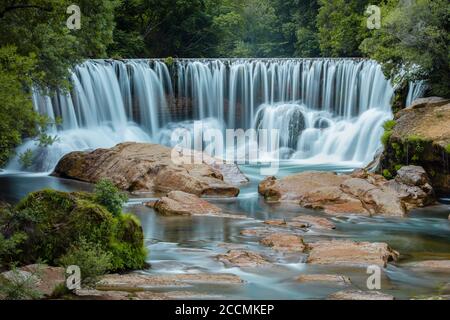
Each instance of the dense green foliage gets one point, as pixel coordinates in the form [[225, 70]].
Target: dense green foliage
[[92, 259], [413, 42], [107, 194], [47, 225]]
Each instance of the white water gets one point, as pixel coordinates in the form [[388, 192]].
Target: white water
[[327, 110]]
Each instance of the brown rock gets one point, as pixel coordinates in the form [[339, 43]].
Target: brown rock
[[42, 278], [242, 258], [137, 282], [333, 278], [426, 121], [151, 168], [345, 252], [284, 242], [315, 222], [182, 203], [92, 294], [360, 295], [431, 265]]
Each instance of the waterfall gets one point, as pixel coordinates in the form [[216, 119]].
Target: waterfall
[[416, 90], [325, 109]]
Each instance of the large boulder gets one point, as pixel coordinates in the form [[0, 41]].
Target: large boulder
[[153, 168], [345, 252], [182, 203], [359, 193], [420, 135]]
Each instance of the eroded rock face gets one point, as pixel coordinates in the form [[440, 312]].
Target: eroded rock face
[[359, 295], [359, 193], [284, 242], [182, 203], [345, 252], [421, 136], [242, 258], [153, 168]]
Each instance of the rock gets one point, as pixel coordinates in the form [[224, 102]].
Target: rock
[[285, 223], [40, 278], [333, 278], [139, 167], [284, 242], [360, 295], [413, 187], [375, 199], [427, 102], [132, 282], [92, 294], [315, 222], [242, 258], [431, 265], [257, 232], [361, 192], [421, 136], [345, 252], [182, 203]]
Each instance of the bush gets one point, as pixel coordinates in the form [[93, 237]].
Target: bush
[[54, 222], [19, 286], [90, 257], [447, 148], [107, 194]]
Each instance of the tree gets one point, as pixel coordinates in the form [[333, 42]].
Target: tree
[[412, 43], [341, 27], [37, 49]]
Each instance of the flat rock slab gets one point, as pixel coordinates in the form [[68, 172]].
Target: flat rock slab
[[345, 252], [182, 203], [314, 222], [325, 278], [140, 282], [143, 167], [360, 295], [284, 242], [242, 258], [431, 265]]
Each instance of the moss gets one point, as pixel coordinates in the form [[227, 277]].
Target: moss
[[388, 127], [447, 148], [169, 61], [54, 221], [387, 174], [398, 167]]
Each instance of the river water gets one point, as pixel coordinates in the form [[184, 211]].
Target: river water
[[190, 244]]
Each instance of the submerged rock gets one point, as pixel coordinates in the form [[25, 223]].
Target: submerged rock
[[182, 203], [345, 252], [420, 135], [431, 265], [331, 278], [242, 258], [359, 193], [315, 222], [360, 295], [153, 168], [284, 242]]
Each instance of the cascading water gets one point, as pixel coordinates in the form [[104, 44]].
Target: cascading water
[[326, 109]]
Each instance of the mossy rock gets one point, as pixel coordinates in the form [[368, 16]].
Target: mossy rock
[[53, 221]]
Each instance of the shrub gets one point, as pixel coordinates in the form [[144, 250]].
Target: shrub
[[19, 286], [447, 148], [55, 221], [90, 257], [107, 194], [387, 174]]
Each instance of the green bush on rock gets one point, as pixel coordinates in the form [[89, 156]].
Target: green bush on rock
[[54, 222], [107, 194]]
